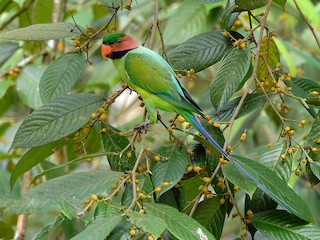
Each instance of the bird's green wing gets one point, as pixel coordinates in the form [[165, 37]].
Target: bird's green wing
[[150, 72]]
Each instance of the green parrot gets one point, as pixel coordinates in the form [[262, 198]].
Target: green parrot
[[147, 73]]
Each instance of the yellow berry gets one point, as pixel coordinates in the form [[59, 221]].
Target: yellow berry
[[114, 186], [208, 152], [243, 137], [243, 45], [141, 196], [247, 221], [181, 120], [189, 169], [222, 201], [229, 148], [113, 27], [207, 117], [71, 10], [89, 27], [225, 33], [221, 160], [121, 134], [192, 71], [169, 129], [88, 159], [270, 144], [249, 213], [236, 188], [278, 65], [157, 190], [283, 156], [157, 158], [94, 197], [141, 211], [86, 201], [304, 160], [303, 122], [132, 232], [150, 238], [291, 132], [93, 116], [314, 149], [206, 179], [287, 129], [315, 93], [215, 124], [210, 122], [137, 189], [318, 140], [103, 117], [188, 126], [73, 38], [101, 110], [98, 4], [196, 168], [165, 184], [129, 154], [103, 130], [205, 190], [290, 151]]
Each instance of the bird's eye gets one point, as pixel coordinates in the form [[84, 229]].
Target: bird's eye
[[118, 41]]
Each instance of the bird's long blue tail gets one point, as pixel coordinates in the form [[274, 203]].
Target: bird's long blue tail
[[196, 124]]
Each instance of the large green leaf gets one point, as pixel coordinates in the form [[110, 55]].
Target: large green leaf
[[148, 223], [234, 67], [32, 157], [6, 50], [301, 87], [113, 142], [56, 119], [179, 224], [281, 225], [28, 85], [99, 229], [61, 75], [251, 103], [188, 20], [4, 86], [200, 52], [282, 3], [172, 169], [44, 31], [71, 189], [210, 214], [271, 159], [275, 188], [270, 53], [245, 5], [229, 15]]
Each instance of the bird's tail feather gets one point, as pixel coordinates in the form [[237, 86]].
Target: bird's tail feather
[[196, 124]]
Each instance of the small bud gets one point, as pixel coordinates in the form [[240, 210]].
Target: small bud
[[165, 184], [94, 197]]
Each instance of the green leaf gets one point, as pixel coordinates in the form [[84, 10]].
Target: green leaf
[[282, 3], [245, 5], [61, 75], [148, 223], [70, 189], [239, 178], [210, 215], [234, 67], [4, 86], [99, 229], [43, 233], [32, 157], [200, 52], [315, 132], [28, 85], [6, 50], [179, 224], [252, 102], [170, 170], [270, 53], [229, 15], [188, 20], [271, 159], [121, 231], [56, 119], [276, 188], [113, 142], [281, 225], [42, 32], [301, 87], [315, 167]]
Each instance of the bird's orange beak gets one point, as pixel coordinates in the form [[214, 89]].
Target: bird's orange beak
[[105, 51]]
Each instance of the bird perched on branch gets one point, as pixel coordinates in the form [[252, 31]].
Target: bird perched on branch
[[147, 73]]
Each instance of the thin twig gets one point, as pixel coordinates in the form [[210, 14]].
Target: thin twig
[[254, 73], [16, 14], [307, 22]]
